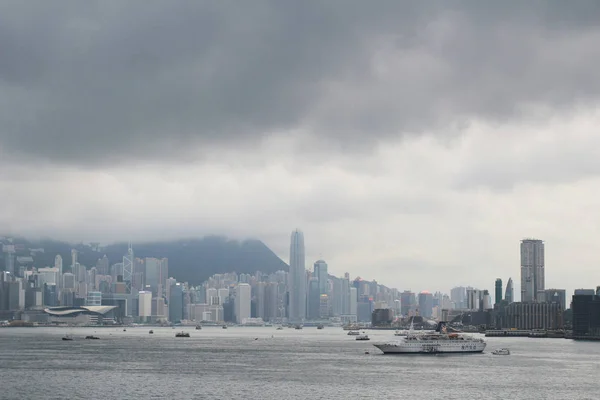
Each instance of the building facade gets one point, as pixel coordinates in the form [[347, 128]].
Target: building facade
[[532, 270], [297, 278]]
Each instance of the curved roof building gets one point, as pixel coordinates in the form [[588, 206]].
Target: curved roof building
[[76, 311]]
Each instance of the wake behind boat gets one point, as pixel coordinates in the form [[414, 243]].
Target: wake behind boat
[[439, 341]]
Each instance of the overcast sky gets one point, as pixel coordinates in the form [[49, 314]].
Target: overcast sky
[[416, 145]]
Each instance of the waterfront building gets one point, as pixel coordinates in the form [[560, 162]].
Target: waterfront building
[[586, 315], [532, 315], [176, 303], [145, 305]]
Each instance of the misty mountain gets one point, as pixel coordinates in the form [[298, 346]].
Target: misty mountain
[[190, 260]]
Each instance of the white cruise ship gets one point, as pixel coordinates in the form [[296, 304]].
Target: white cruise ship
[[439, 341]]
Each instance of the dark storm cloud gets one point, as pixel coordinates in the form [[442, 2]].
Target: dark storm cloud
[[107, 82]]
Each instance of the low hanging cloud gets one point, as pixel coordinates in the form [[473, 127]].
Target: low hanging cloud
[[104, 83]]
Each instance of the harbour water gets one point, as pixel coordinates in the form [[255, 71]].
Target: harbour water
[[264, 363]]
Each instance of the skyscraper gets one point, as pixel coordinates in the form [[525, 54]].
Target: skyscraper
[[498, 293], [243, 298], [128, 260], [73, 257], [320, 272], [58, 263], [532, 270], [176, 302], [509, 295], [297, 278]]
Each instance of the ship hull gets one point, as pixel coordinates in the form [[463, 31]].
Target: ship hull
[[422, 348]]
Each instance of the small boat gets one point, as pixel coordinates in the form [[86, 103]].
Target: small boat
[[151, 331], [320, 326], [124, 330], [363, 337], [198, 327], [67, 337], [92, 337], [224, 326], [400, 333], [182, 334], [353, 333], [501, 352], [279, 328], [297, 326]]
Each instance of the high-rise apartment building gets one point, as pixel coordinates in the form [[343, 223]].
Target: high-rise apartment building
[[532, 270], [297, 278], [243, 297]]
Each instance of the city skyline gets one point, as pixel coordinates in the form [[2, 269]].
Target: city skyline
[[528, 263], [148, 293]]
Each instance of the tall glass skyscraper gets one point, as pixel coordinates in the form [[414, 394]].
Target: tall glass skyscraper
[[297, 278], [532, 270], [320, 272]]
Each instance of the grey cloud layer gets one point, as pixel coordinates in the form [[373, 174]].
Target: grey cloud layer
[[105, 82]]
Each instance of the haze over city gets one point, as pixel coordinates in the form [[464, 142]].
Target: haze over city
[[414, 145]]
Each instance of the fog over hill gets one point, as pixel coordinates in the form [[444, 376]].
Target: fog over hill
[[190, 260]]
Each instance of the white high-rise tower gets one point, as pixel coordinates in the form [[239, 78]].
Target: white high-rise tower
[[297, 278], [532, 270]]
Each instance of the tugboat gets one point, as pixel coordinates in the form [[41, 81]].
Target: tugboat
[[67, 337], [320, 326], [198, 327], [151, 331], [224, 326], [182, 334], [298, 326], [92, 337]]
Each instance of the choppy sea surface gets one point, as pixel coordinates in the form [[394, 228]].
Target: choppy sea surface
[[264, 363]]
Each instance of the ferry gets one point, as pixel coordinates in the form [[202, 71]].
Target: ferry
[[439, 341]]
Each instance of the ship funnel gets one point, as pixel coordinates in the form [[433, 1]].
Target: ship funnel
[[441, 326]]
